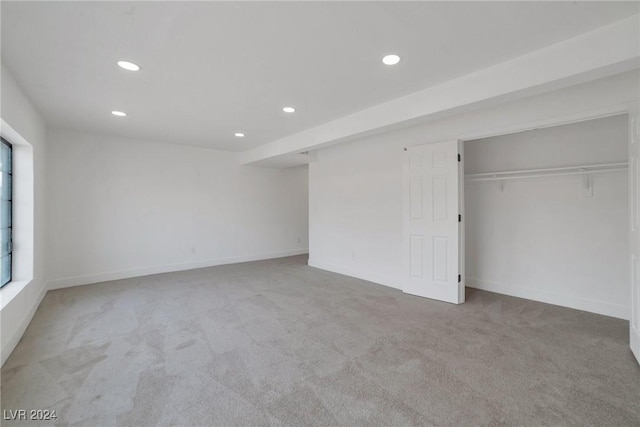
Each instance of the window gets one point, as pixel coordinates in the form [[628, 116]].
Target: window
[[6, 190]]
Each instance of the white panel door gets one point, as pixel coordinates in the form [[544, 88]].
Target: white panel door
[[432, 199]]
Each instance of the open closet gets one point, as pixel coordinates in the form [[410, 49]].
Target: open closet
[[547, 215]]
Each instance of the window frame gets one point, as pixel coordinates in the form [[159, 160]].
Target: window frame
[[3, 283]]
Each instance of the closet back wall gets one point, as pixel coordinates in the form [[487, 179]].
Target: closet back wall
[[542, 238], [125, 208]]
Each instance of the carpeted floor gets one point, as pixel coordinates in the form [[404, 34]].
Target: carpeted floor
[[279, 343]]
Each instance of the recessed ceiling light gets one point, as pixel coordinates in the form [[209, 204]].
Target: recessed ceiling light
[[119, 113], [289, 110], [239, 134], [128, 65], [391, 59]]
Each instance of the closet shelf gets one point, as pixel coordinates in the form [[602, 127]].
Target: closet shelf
[[535, 173]]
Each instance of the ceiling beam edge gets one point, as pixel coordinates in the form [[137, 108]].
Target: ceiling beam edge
[[560, 65]]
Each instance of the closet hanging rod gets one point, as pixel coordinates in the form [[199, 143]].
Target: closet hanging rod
[[533, 173]]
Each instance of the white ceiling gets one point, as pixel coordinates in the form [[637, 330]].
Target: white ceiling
[[214, 68]]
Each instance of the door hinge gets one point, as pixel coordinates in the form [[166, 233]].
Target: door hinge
[[459, 278], [459, 218], [459, 157]]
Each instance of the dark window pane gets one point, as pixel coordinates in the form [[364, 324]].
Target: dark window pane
[[5, 270], [5, 186], [5, 158], [5, 246], [5, 213]]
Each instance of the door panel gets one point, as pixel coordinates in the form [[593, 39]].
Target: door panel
[[416, 197], [432, 237], [440, 261], [417, 256]]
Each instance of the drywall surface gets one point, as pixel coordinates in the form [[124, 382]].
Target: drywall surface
[[355, 189], [124, 208], [547, 238], [20, 298]]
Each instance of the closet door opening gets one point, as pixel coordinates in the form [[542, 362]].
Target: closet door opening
[[547, 215]]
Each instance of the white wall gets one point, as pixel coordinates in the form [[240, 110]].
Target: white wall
[[355, 217], [542, 238], [123, 208], [20, 298]]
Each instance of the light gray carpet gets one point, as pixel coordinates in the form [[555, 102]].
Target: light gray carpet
[[279, 343]]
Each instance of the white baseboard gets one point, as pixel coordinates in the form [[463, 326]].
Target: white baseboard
[[17, 334], [354, 272], [146, 271], [593, 306], [634, 339]]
